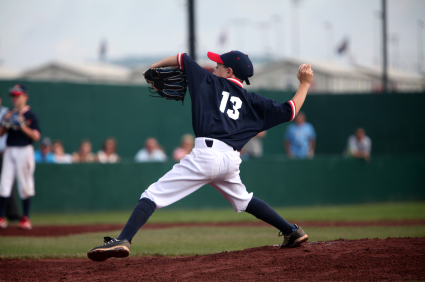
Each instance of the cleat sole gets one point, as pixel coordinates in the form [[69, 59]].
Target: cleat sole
[[299, 241], [104, 254]]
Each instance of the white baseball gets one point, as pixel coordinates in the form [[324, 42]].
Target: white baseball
[[300, 68]]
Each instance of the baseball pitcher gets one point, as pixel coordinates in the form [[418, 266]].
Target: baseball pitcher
[[224, 118]]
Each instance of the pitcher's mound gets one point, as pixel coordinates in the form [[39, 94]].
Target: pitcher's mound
[[392, 259]]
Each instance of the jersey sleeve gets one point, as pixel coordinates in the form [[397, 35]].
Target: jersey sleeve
[[195, 73], [271, 112]]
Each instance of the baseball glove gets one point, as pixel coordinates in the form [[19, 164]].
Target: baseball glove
[[15, 121], [170, 84]]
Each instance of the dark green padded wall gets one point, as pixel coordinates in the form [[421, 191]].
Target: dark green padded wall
[[71, 112], [279, 182], [394, 122]]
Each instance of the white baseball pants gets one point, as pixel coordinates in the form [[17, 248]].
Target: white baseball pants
[[217, 165], [18, 162]]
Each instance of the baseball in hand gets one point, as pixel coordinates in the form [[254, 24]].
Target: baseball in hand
[[305, 73], [301, 67]]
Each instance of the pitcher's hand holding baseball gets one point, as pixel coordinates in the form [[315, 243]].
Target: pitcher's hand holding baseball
[[305, 74]]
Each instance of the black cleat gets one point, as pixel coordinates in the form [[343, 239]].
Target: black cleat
[[295, 238], [113, 248]]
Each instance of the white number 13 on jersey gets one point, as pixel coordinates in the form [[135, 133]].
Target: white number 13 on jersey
[[236, 102]]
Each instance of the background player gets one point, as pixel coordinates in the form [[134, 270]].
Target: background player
[[18, 159], [12, 207], [224, 118]]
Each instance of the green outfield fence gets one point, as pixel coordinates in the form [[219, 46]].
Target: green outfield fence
[[71, 112], [280, 182]]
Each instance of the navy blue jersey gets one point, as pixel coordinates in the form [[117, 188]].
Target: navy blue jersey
[[222, 109], [18, 137]]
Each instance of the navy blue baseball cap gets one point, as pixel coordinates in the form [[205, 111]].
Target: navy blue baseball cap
[[239, 62], [18, 90]]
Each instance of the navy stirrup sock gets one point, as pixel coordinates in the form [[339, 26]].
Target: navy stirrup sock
[[141, 213], [26, 205], [262, 211], [3, 202]]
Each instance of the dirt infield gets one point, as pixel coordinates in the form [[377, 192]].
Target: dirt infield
[[63, 230], [392, 259]]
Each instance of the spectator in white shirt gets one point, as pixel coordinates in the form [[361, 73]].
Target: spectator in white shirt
[[59, 155], [359, 145], [151, 152], [108, 153]]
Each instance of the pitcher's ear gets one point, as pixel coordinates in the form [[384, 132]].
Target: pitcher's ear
[[229, 72]]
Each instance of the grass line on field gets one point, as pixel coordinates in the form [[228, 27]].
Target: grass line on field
[[187, 241], [364, 212]]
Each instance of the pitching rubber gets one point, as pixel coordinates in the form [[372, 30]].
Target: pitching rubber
[[104, 254]]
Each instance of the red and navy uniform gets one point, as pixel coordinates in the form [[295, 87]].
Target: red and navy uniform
[[17, 138], [222, 109]]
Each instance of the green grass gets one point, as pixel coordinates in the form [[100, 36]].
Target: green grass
[[386, 211], [187, 241], [195, 240]]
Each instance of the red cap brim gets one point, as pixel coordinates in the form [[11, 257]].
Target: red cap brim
[[15, 93], [215, 57]]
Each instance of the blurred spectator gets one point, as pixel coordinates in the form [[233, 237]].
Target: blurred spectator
[[151, 152], [186, 146], [300, 138], [59, 155], [44, 154], [84, 154], [254, 148], [108, 153], [359, 145]]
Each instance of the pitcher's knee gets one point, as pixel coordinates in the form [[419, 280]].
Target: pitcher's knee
[[240, 205]]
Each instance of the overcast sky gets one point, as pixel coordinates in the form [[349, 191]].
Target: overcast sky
[[34, 32]]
